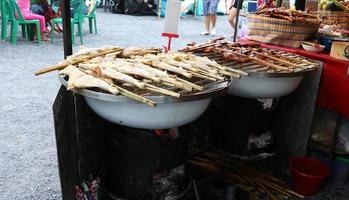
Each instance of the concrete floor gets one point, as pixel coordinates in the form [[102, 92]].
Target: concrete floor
[[28, 160]]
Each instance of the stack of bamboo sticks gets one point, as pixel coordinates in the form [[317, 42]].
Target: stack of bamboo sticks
[[259, 183], [138, 72]]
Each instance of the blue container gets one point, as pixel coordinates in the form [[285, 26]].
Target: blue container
[[251, 6], [163, 8], [340, 171], [327, 42]]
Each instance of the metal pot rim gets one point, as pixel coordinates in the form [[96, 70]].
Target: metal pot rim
[[215, 90]]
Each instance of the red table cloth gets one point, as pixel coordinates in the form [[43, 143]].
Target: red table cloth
[[334, 86]]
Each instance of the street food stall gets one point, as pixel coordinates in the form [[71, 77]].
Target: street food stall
[[214, 120]]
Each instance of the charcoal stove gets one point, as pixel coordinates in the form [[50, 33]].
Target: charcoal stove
[[144, 153], [250, 112]]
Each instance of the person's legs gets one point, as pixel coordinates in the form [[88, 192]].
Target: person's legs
[[232, 16], [207, 17], [30, 16], [213, 18]]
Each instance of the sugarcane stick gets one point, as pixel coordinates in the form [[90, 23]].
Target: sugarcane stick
[[65, 63], [161, 90]]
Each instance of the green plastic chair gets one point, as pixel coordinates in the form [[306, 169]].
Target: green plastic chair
[[14, 8], [92, 19], [76, 20], [6, 18]]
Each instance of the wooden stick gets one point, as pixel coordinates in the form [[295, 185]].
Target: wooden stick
[[66, 63], [236, 71], [271, 195], [287, 190], [177, 84], [127, 93], [266, 183], [135, 97], [197, 87], [161, 90], [212, 75], [260, 61], [203, 76], [294, 59], [282, 61], [229, 74]]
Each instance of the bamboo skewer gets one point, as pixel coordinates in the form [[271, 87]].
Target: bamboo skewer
[[294, 59], [212, 75], [197, 87], [253, 180], [178, 84], [229, 74], [65, 63], [161, 90], [281, 61], [136, 97], [125, 92], [260, 61], [203, 76], [235, 71]]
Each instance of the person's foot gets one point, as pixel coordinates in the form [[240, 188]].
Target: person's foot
[[205, 33], [44, 37], [213, 31], [48, 29]]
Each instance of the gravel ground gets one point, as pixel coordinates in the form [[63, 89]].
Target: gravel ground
[[28, 160]]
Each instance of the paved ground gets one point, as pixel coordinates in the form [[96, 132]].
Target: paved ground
[[28, 161]]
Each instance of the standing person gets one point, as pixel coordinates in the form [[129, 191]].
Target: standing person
[[210, 9], [233, 11], [24, 6]]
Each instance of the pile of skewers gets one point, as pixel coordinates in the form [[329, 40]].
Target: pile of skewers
[[259, 183], [137, 73], [251, 55], [289, 15]]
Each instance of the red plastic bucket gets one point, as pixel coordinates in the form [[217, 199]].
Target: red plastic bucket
[[307, 175]]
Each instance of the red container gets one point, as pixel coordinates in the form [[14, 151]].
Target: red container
[[307, 174]]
